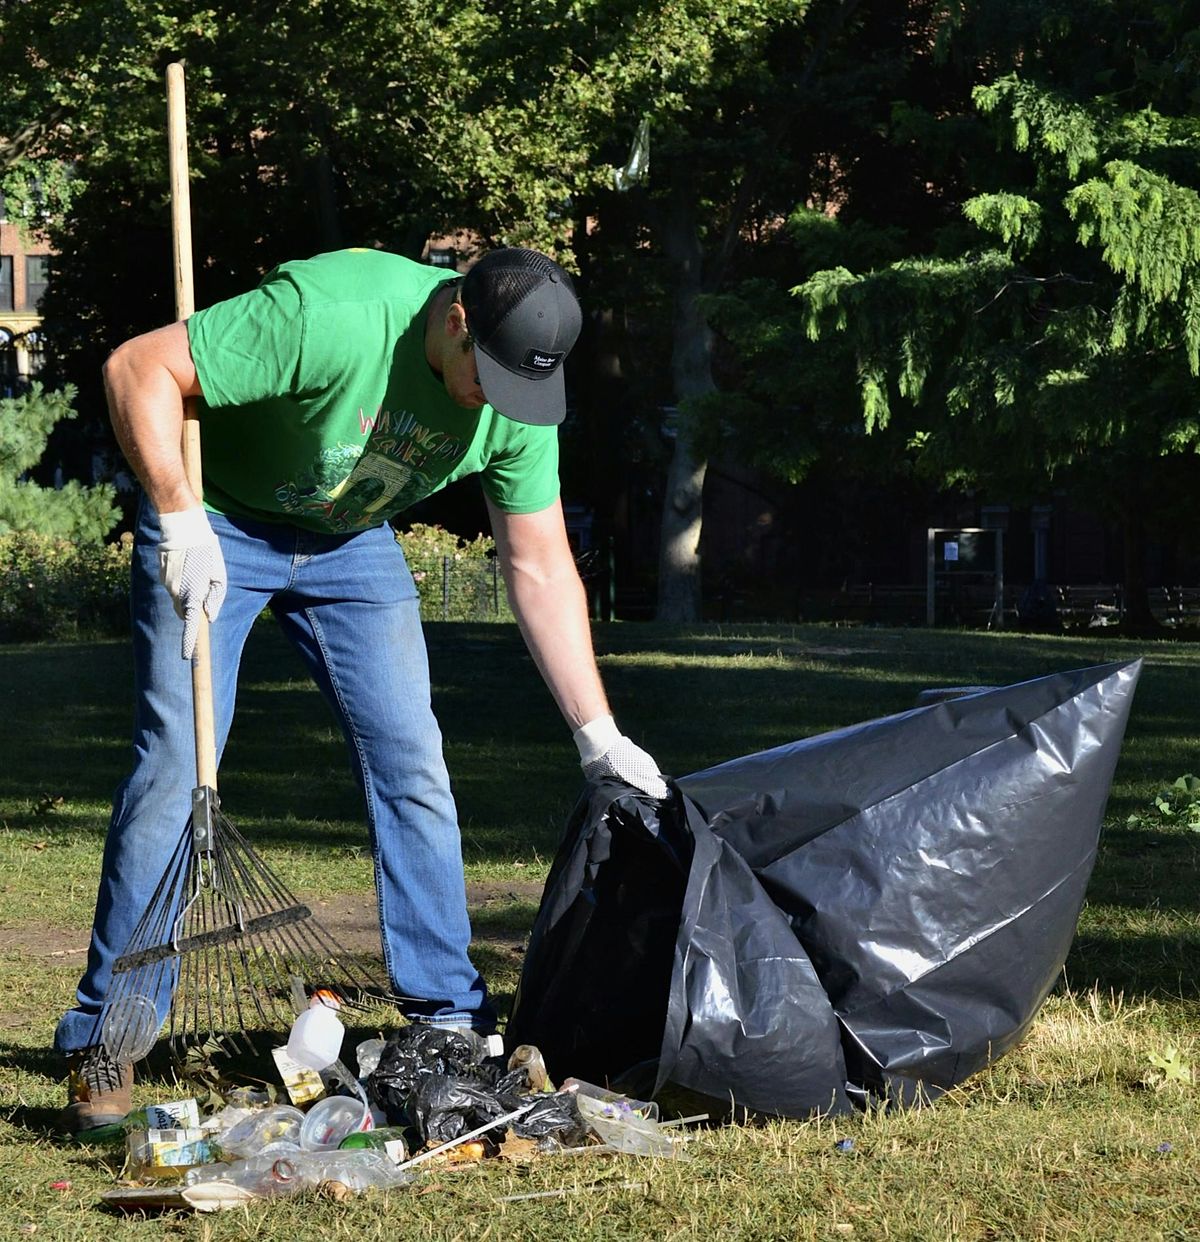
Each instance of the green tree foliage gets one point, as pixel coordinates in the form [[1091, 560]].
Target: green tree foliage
[[291, 144], [722, 90], [359, 122], [990, 209], [1038, 319], [75, 512]]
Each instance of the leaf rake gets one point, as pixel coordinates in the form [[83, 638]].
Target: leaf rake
[[222, 935]]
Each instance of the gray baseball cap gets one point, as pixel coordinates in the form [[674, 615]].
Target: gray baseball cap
[[524, 317]]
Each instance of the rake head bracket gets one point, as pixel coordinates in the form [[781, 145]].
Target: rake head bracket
[[204, 806]]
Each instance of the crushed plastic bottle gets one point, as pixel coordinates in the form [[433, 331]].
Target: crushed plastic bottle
[[271, 1177], [356, 1170], [215, 1172], [368, 1054], [264, 1131]]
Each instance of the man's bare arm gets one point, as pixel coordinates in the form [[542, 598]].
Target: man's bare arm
[[146, 380]]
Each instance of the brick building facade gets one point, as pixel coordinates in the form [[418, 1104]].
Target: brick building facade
[[24, 271]]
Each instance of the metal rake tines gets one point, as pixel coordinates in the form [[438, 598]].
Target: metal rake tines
[[218, 949]]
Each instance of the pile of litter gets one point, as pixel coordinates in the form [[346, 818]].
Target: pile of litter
[[427, 1098]]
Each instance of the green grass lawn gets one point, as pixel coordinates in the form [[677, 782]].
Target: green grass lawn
[[1075, 1134]]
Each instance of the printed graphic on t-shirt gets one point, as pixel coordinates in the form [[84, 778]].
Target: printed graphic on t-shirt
[[355, 486]]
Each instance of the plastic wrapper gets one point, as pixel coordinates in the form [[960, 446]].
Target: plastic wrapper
[[412, 1054], [869, 915], [444, 1107], [623, 1130], [554, 1116]]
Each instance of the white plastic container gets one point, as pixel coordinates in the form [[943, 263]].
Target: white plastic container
[[316, 1036], [331, 1120]]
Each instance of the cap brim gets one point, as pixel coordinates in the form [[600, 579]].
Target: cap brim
[[538, 400]]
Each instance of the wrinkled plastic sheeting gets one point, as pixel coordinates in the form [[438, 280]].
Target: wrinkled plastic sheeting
[[640, 908], [871, 914]]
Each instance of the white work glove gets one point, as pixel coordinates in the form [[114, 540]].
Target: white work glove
[[604, 751], [191, 567]]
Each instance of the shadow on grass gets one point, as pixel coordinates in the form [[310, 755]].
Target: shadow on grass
[[286, 765], [1139, 966], [1140, 869], [693, 697], [40, 1060], [37, 1123], [503, 922]]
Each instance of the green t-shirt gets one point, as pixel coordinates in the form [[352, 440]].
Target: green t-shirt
[[320, 408]]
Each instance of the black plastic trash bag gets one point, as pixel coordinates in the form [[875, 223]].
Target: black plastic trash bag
[[444, 1107], [555, 1115], [874, 913], [431, 1080], [410, 1056]]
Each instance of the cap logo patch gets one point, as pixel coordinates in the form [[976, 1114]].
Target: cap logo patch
[[539, 360]]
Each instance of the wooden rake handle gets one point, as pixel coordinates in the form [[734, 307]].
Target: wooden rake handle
[[185, 304]]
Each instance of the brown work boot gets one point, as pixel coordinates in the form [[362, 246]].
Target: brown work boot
[[98, 1091]]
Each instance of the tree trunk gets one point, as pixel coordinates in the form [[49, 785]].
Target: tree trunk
[[691, 371]]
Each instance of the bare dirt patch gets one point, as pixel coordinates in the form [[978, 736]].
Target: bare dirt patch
[[37, 940], [351, 919]]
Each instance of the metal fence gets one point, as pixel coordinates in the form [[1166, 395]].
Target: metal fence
[[974, 604], [461, 589], [472, 589]]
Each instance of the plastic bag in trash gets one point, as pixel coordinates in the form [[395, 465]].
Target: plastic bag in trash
[[629, 1133], [555, 1116], [442, 1107], [412, 1054], [872, 914]]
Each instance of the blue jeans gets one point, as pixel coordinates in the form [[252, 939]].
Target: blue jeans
[[349, 606]]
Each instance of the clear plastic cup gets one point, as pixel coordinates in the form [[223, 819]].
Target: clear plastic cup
[[331, 1120]]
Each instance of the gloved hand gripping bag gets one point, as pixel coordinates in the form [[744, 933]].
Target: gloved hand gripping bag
[[876, 912]]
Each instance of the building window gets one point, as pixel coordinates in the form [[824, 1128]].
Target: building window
[[8, 364], [443, 258], [6, 283], [37, 274], [35, 347]]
